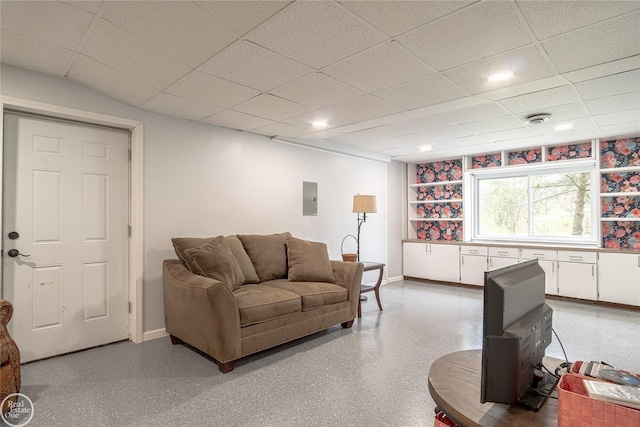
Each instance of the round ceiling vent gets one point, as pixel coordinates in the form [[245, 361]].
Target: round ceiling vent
[[536, 119]]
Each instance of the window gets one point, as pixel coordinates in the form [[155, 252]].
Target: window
[[538, 203]]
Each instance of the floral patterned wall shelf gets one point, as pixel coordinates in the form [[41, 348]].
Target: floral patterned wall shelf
[[439, 230]]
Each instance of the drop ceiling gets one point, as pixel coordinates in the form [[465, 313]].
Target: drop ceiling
[[402, 80]]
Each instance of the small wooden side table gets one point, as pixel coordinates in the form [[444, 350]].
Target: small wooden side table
[[371, 266]]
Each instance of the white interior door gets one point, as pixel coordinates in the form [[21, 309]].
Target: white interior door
[[65, 211]]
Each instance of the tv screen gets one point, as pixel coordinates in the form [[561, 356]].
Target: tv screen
[[516, 331]]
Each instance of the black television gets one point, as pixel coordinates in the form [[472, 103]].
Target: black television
[[516, 331]]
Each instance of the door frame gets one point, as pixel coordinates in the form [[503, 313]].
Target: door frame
[[136, 168]]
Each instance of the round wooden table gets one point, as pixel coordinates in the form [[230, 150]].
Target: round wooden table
[[454, 384]]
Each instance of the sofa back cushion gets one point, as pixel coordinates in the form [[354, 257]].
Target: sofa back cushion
[[308, 261], [215, 260], [181, 244], [268, 254]]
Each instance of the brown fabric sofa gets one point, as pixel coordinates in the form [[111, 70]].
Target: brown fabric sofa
[[237, 295]]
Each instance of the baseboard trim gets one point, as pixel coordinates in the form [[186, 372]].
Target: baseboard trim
[[394, 279], [152, 335]]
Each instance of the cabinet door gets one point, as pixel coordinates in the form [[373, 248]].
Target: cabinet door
[[414, 260], [444, 263], [577, 280], [472, 268], [619, 278], [550, 276]]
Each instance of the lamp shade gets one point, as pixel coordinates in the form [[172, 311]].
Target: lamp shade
[[364, 204]]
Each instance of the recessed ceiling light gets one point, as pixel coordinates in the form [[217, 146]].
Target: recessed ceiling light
[[425, 148], [502, 75], [319, 123], [563, 126]]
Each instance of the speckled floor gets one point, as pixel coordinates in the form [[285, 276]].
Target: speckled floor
[[374, 374]]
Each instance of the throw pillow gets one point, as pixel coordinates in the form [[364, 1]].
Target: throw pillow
[[268, 254], [243, 259], [309, 261], [181, 244], [215, 260]]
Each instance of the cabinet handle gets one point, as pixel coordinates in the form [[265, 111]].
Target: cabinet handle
[[539, 255], [502, 252], [593, 271], [490, 262], [553, 267], [475, 251], [638, 261], [575, 257], [462, 259]]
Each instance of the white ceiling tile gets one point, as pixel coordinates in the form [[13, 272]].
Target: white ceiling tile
[[379, 68], [110, 82], [621, 130], [271, 107], [625, 101], [236, 120], [175, 28], [617, 118], [541, 100], [315, 33], [481, 30], [242, 16], [121, 51], [430, 90], [507, 135], [253, 66], [280, 129], [521, 143], [446, 134], [422, 124], [175, 106], [33, 19], [525, 88], [330, 133], [397, 17], [363, 108], [475, 113], [596, 44], [559, 113], [400, 141], [606, 69], [317, 90], [573, 136], [581, 123], [527, 65], [494, 125], [349, 139], [557, 17], [306, 120], [33, 54], [211, 90], [610, 85], [381, 132]]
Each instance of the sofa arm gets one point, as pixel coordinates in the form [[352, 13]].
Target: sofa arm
[[201, 311], [349, 276]]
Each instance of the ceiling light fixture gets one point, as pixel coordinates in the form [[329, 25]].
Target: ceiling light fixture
[[425, 148], [498, 77], [563, 126], [319, 123], [537, 119]]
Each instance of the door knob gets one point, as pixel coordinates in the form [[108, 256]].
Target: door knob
[[14, 235], [14, 253]]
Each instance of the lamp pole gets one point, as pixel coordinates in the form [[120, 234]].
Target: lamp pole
[[360, 221]]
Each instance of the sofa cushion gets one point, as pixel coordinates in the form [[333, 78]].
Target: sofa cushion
[[268, 254], [259, 303], [308, 261], [243, 259], [313, 294], [215, 260], [181, 244]]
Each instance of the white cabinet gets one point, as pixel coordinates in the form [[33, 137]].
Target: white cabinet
[[501, 257], [473, 264], [414, 260], [577, 276], [548, 260], [619, 278], [431, 261]]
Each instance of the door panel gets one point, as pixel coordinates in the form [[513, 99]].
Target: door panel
[[66, 194]]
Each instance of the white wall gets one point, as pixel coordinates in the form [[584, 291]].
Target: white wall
[[202, 180]]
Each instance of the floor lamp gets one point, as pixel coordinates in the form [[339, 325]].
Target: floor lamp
[[363, 204]]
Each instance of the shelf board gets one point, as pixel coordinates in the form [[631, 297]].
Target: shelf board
[[435, 219], [415, 202], [618, 170], [624, 193], [620, 219], [432, 184]]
